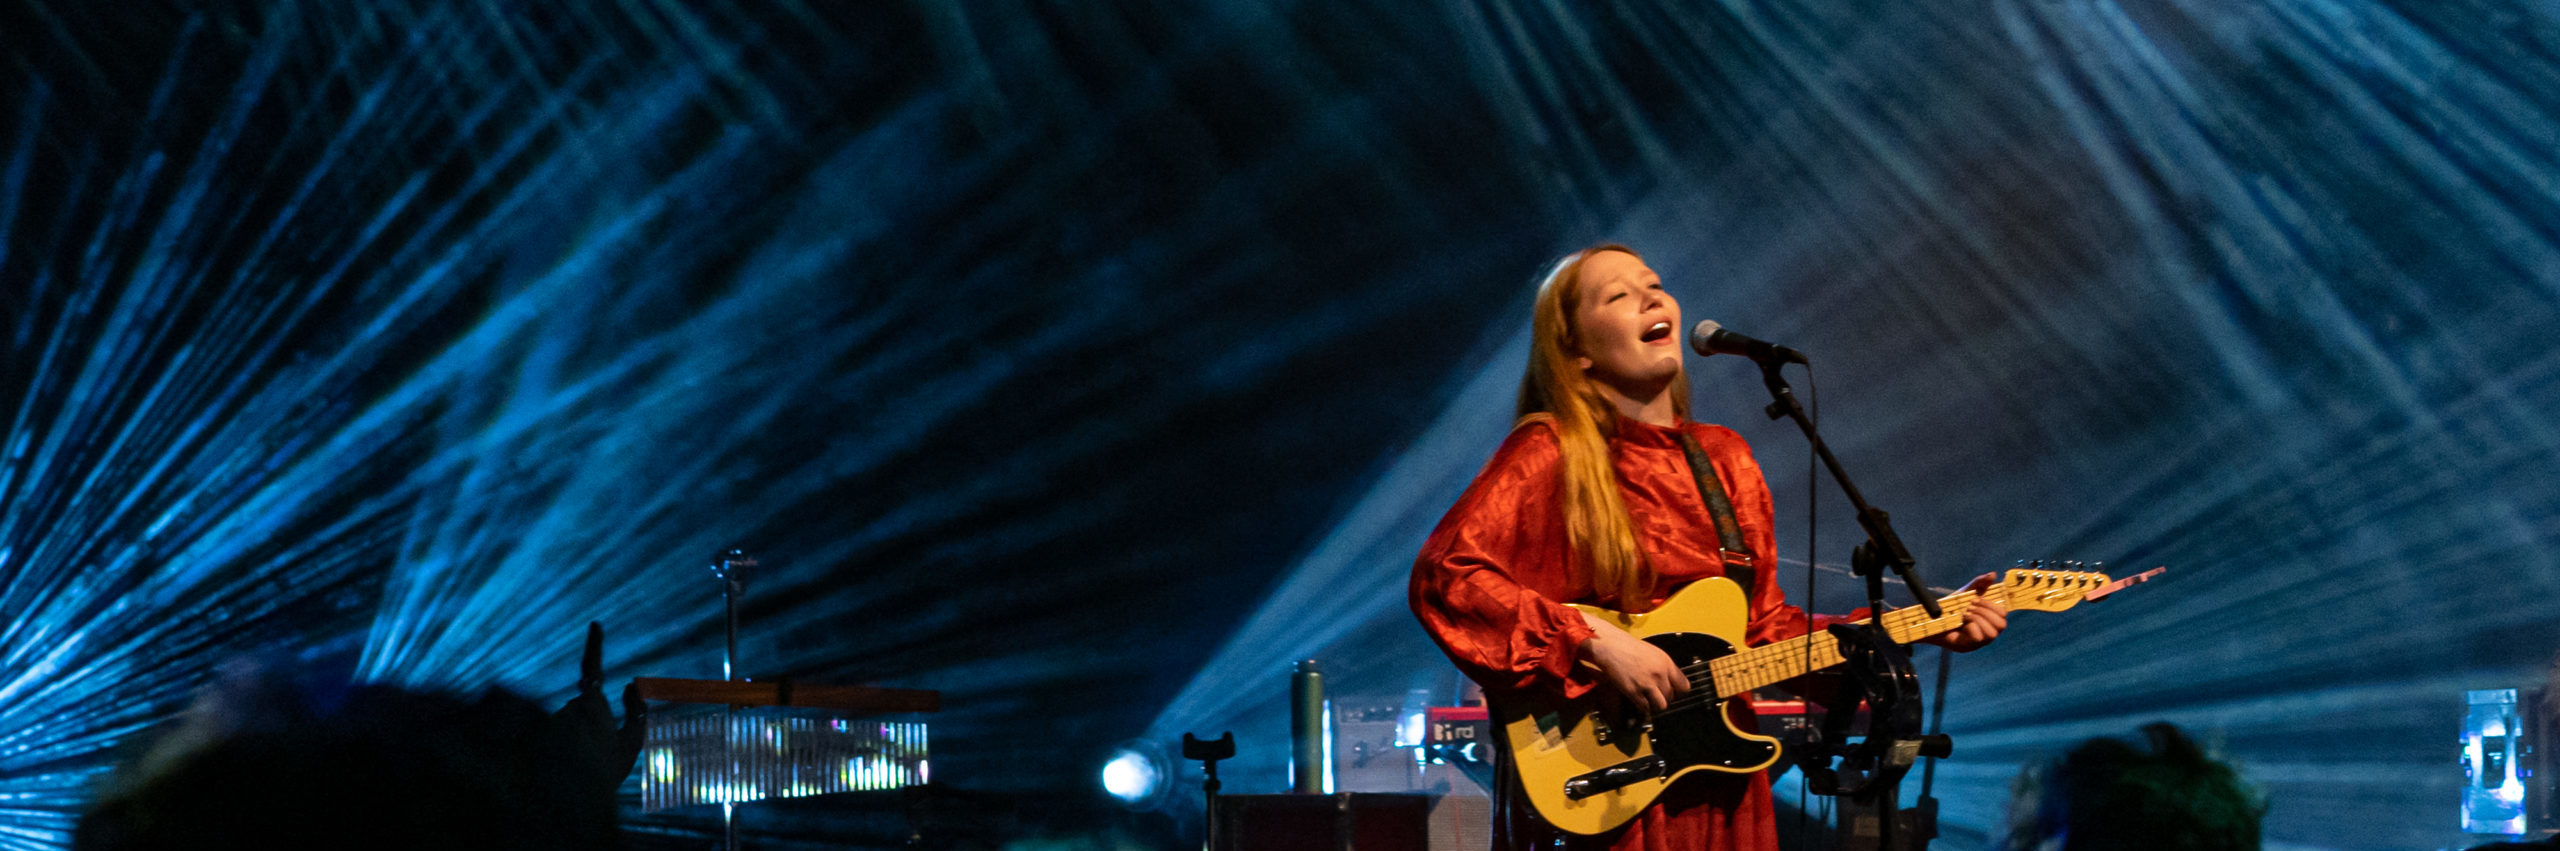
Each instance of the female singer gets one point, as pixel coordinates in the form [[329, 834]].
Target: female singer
[[1591, 500]]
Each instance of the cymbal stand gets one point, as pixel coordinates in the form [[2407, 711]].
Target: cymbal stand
[[728, 566]]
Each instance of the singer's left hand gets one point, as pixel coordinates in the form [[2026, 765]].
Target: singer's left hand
[[1984, 618]]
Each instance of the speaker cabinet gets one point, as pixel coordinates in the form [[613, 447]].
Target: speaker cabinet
[[1344, 821]]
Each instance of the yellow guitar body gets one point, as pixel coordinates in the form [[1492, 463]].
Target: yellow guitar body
[[1592, 763], [1554, 743]]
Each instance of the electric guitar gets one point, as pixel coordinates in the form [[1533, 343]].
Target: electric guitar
[[1591, 764]]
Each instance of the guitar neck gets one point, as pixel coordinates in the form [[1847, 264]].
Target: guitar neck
[[1779, 661]]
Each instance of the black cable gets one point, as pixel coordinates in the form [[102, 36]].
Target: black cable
[[1812, 480], [1937, 721]]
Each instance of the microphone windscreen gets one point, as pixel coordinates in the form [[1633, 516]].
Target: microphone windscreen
[[1698, 336]]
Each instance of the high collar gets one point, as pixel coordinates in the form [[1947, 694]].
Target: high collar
[[1635, 432]]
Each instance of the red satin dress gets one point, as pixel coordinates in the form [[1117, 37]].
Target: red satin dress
[[1492, 581]]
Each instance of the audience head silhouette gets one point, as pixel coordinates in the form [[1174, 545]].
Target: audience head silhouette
[[268, 762], [2109, 794]]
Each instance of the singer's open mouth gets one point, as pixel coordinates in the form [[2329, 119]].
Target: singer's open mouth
[[1657, 332]]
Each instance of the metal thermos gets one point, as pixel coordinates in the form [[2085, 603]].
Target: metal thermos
[[1307, 730]]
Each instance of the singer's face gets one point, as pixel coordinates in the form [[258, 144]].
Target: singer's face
[[1626, 328]]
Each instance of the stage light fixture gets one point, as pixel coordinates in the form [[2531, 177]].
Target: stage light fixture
[[1136, 775]]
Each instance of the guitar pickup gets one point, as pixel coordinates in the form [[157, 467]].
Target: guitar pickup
[[1614, 777]]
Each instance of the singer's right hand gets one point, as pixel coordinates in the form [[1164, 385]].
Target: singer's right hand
[[1634, 666]]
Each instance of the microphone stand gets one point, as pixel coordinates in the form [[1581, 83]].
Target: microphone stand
[[1880, 663], [1883, 545]]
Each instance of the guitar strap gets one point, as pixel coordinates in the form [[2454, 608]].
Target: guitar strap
[[1738, 564]]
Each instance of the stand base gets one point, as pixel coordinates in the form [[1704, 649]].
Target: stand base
[[1861, 824]]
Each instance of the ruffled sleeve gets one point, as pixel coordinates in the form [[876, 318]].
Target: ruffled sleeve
[[1490, 582]]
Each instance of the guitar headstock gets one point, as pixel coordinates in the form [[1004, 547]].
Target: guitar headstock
[[2057, 585]]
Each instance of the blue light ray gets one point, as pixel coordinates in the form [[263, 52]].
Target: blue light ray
[[1356, 576], [410, 338], [2154, 289], [137, 486]]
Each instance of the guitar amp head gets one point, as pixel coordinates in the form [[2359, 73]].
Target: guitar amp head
[[1366, 752]]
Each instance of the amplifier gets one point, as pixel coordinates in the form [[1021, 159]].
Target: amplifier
[[1458, 726], [1366, 757], [1343, 821]]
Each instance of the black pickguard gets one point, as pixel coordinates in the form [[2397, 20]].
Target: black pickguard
[[1699, 734]]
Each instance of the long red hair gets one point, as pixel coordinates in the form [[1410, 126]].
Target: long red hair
[[1555, 390]]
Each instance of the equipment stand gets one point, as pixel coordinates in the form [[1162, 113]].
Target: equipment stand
[[728, 565], [1883, 545], [1877, 663], [1208, 753]]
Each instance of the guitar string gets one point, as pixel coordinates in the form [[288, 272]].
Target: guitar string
[[1904, 620], [1775, 654]]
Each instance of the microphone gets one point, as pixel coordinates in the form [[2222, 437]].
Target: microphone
[[1710, 338]]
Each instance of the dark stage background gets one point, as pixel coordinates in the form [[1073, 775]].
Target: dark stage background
[[1089, 362]]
